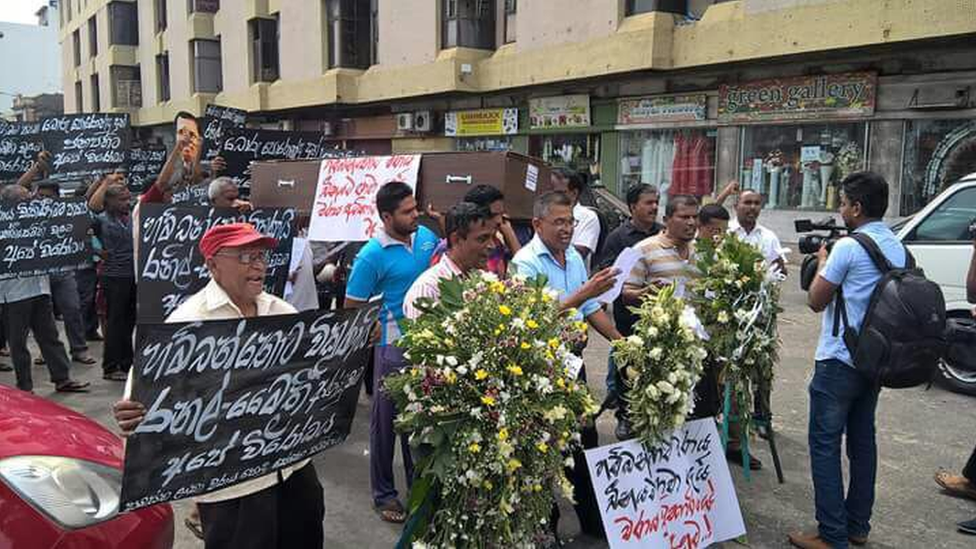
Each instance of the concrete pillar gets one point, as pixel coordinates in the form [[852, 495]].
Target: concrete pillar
[[886, 142], [727, 163]]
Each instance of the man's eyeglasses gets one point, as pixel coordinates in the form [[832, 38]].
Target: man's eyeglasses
[[249, 258], [564, 222]]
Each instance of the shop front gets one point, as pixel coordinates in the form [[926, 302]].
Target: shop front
[[483, 129], [800, 136], [561, 132], [937, 152], [667, 141]]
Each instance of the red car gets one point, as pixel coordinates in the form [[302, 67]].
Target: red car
[[60, 481]]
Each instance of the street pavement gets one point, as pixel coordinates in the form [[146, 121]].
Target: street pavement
[[919, 431]]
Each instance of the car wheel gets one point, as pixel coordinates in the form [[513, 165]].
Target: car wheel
[[956, 379]]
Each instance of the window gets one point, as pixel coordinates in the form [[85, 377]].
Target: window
[[207, 75], [511, 9], [352, 33], [159, 11], [79, 99], [677, 161], [162, 76], [76, 46], [800, 167], [644, 6], [92, 37], [264, 49], [950, 221], [468, 24], [95, 94], [936, 154], [123, 23], [126, 87], [202, 6]]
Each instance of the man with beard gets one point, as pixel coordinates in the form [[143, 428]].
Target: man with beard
[[389, 264]]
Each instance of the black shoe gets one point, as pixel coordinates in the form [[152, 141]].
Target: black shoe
[[6, 368], [623, 431], [968, 527], [735, 456]]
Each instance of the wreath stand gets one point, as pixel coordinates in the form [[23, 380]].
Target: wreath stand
[[762, 420]]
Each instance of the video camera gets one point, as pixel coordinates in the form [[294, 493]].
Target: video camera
[[810, 244]]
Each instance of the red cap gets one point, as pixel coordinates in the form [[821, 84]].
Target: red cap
[[233, 235]]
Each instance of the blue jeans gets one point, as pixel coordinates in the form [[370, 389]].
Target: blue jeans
[[842, 400]]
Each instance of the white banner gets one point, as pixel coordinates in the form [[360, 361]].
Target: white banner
[[345, 197], [677, 493]]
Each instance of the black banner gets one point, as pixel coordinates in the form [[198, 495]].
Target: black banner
[[145, 164], [171, 267], [85, 145], [193, 195], [19, 144], [233, 400], [242, 146], [216, 120], [44, 236]]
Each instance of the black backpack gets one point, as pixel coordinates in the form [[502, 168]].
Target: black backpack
[[903, 334]]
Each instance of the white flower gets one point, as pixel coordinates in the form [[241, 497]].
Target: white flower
[[451, 361], [462, 369], [656, 353], [665, 387], [672, 378], [518, 323], [723, 317], [652, 332], [635, 340]]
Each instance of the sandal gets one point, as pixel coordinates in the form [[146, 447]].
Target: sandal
[[39, 361], [6, 368], [194, 526], [83, 359], [116, 376], [71, 386], [391, 511], [955, 485]]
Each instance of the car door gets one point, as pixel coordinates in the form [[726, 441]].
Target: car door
[[941, 245]]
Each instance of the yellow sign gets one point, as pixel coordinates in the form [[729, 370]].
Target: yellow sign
[[481, 122]]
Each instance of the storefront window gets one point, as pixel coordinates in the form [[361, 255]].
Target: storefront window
[[499, 143], [675, 161], [800, 167], [580, 152], [937, 153]]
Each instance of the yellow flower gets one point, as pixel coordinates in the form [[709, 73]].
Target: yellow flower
[[531, 324], [488, 485], [450, 377], [480, 374], [513, 464], [546, 298], [554, 343], [537, 488], [488, 401], [542, 447], [505, 310], [498, 287], [503, 434], [415, 372], [560, 383], [526, 346], [474, 448], [515, 369]]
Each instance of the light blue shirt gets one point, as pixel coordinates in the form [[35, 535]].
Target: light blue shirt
[[13, 290], [535, 259], [850, 267], [387, 266]]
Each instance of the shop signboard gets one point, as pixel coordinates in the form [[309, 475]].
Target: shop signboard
[[564, 111], [662, 108], [825, 96], [481, 122]]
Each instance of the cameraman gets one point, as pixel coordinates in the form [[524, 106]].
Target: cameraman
[[842, 399]]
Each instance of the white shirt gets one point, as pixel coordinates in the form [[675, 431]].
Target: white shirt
[[587, 231], [213, 303], [426, 285], [762, 238], [302, 294]]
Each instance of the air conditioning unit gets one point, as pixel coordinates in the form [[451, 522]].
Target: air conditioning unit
[[421, 121], [405, 121]]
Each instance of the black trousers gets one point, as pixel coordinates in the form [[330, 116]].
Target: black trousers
[[120, 299], [586, 507], [969, 471], [87, 286], [288, 515], [35, 315]]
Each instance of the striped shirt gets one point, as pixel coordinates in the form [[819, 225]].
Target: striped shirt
[[427, 283], [661, 263]]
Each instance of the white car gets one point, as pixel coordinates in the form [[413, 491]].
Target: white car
[[938, 237]]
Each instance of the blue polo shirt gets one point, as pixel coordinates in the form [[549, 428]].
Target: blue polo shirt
[[535, 259], [387, 266], [850, 267]]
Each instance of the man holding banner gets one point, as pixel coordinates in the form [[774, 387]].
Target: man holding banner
[[285, 508]]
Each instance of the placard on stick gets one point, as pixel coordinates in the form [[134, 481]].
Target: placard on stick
[[44, 236], [345, 197], [677, 493], [233, 400]]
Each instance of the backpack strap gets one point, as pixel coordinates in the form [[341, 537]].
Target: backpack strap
[[873, 251]]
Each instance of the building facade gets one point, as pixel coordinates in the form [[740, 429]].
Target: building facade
[[30, 57], [786, 96]]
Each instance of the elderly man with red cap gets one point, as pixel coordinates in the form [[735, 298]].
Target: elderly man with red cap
[[285, 508]]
